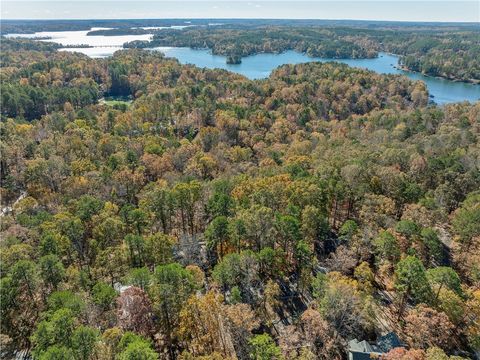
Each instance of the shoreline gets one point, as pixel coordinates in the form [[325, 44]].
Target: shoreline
[[406, 69]]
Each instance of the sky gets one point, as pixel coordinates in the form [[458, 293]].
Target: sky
[[393, 10]]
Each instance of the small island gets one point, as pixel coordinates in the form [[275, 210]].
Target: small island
[[234, 59]]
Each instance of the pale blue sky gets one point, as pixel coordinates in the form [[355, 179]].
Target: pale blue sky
[[396, 10]]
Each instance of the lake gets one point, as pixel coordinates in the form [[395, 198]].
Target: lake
[[102, 46], [257, 66]]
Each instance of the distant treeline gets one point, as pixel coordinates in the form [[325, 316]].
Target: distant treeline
[[31, 26], [119, 31]]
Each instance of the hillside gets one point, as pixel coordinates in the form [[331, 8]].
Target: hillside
[[196, 214]]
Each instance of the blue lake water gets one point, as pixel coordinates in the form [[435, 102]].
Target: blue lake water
[[261, 65]]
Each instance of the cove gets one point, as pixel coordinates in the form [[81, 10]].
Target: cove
[[260, 66]]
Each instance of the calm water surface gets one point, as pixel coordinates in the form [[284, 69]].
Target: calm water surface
[[80, 38], [256, 66], [102, 46]]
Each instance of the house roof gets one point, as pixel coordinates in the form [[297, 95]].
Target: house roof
[[383, 345], [388, 342], [360, 346]]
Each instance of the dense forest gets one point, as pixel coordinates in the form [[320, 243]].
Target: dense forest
[[215, 217], [243, 42], [451, 55]]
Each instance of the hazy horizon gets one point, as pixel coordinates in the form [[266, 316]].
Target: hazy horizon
[[386, 10]]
